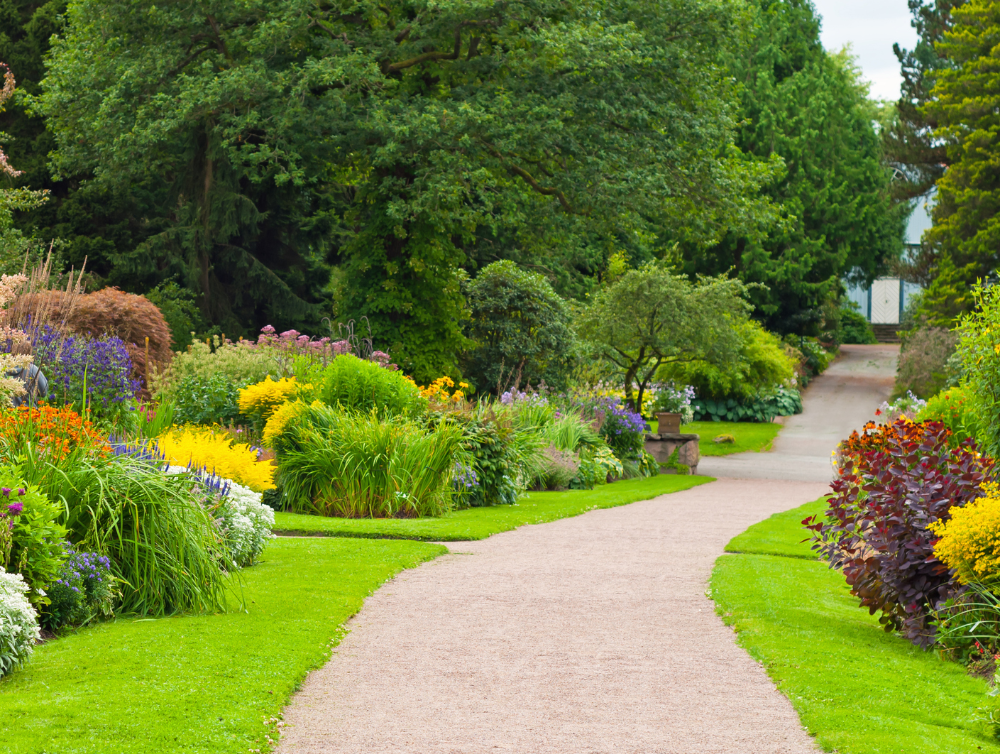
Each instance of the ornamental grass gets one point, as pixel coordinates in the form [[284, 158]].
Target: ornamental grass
[[334, 462]]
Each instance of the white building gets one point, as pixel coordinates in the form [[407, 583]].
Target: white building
[[883, 303]]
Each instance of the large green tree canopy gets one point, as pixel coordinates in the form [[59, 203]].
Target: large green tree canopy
[[383, 137], [811, 109]]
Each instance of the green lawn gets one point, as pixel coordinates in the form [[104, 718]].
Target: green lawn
[[749, 436], [857, 689], [479, 523], [199, 684]]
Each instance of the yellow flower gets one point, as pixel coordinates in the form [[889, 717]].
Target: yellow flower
[[279, 420], [262, 399], [218, 454], [970, 540]]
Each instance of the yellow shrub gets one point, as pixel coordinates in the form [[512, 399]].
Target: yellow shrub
[[970, 540], [279, 420], [263, 398], [201, 446]]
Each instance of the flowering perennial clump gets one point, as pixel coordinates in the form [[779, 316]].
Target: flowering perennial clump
[[85, 589], [18, 623], [261, 400], [214, 450], [75, 364], [8, 512], [438, 391], [970, 540], [279, 421], [56, 431], [11, 362]]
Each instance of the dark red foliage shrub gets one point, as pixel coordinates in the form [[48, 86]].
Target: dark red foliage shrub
[[111, 311], [895, 480]]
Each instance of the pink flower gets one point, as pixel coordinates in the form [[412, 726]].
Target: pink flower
[[267, 330]]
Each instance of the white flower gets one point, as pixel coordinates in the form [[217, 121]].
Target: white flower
[[18, 622]]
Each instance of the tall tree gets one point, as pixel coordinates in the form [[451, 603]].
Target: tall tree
[[810, 109], [909, 142], [385, 136], [965, 103]]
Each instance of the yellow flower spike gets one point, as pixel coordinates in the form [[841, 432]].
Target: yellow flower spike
[[203, 447]]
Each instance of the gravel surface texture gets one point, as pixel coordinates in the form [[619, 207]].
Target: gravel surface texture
[[587, 635], [590, 634]]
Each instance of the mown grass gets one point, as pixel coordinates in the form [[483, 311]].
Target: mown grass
[[749, 436], [479, 523], [199, 684], [857, 689]]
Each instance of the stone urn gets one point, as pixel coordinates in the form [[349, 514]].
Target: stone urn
[[669, 424]]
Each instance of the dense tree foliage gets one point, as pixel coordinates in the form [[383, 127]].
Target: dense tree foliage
[[811, 109], [651, 317], [384, 137], [278, 162], [965, 238]]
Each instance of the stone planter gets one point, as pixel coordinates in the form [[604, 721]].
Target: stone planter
[[669, 423]]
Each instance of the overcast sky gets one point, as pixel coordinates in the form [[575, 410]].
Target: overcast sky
[[870, 26]]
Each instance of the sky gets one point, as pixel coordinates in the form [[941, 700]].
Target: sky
[[870, 27]]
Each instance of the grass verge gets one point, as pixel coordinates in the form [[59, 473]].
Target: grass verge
[[199, 684], [480, 523], [857, 689], [749, 436]]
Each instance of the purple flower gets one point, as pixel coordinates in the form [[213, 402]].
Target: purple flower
[[5, 491], [15, 509], [21, 491]]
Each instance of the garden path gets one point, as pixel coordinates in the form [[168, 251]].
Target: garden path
[[835, 403], [585, 635]]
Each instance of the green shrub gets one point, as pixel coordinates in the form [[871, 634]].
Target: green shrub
[[923, 361], [597, 465], [489, 443], [954, 408], [363, 386], [979, 351], [241, 362], [762, 362], [814, 358], [335, 462], [855, 328], [180, 310], [36, 538], [520, 327], [207, 399]]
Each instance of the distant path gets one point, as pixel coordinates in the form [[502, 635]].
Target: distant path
[[587, 635], [835, 403]]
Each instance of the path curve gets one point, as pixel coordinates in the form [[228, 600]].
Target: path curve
[[585, 635]]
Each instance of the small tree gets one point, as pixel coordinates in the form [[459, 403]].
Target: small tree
[[521, 328], [650, 317]]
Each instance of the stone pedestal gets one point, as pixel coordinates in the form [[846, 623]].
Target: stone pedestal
[[662, 448]]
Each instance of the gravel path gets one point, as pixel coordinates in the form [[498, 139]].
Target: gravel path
[[591, 634]]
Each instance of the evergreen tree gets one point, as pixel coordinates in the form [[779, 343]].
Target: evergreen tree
[[909, 141], [965, 103], [810, 109]]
